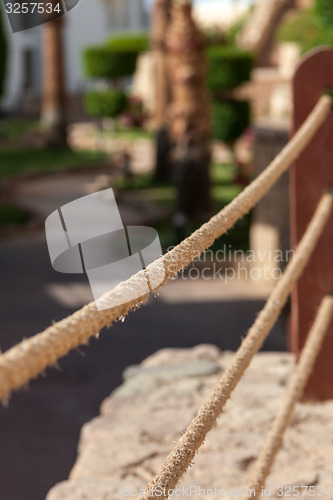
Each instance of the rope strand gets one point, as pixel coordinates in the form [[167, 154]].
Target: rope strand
[[188, 445], [32, 356], [293, 394]]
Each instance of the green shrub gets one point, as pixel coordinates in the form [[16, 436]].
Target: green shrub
[[107, 104], [104, 62], [135, 42], [324, 13], [228, 67], [117, 58], [230, 119], [3, 54], [302, 29]]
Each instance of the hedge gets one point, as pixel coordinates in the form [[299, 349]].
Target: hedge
[[104, 62], [230, 119], [108, 103], [117, 58], [324, 13], [135, 42], [228, 67]]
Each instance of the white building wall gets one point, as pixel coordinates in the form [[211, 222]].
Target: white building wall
[[91, 22], [135, 14], [17, 43], [85, 25]]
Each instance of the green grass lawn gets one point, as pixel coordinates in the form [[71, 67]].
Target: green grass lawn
[[19, 159], [16, 128], [15, 161], [132, 134]]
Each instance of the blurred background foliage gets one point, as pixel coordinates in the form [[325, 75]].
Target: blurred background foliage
[[309, 28]]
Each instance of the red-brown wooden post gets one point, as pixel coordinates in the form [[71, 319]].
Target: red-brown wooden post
[[311, 175]]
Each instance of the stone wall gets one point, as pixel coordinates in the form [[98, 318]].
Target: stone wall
[[123, 448]]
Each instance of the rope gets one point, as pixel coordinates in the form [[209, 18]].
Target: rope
[[294, 392], [189, 443], [30, 358]]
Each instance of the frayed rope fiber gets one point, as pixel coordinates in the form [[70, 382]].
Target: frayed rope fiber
[[30, 358], [183, 453], [293, 394]]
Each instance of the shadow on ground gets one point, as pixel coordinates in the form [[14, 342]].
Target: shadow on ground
[[40, 428]]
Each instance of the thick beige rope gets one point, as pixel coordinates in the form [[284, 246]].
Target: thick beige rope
[[293, 394], [188, 445], [30, 358]]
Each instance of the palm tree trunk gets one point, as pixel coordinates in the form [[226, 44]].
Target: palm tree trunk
[[161, 19], [54, 97], [189, 114]]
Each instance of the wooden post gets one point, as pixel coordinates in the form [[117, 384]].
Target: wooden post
[[159, 30], [54, 96], [161, 18], [311, 176], [189, 113]]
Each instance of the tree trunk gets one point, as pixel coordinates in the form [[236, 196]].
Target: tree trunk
[[54, 97], [190, 114], [161, 19]]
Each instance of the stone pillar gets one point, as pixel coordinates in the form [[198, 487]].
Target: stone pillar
[[270, 224]]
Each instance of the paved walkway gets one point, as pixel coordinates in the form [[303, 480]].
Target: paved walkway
[[40, 428], [46, 194]]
